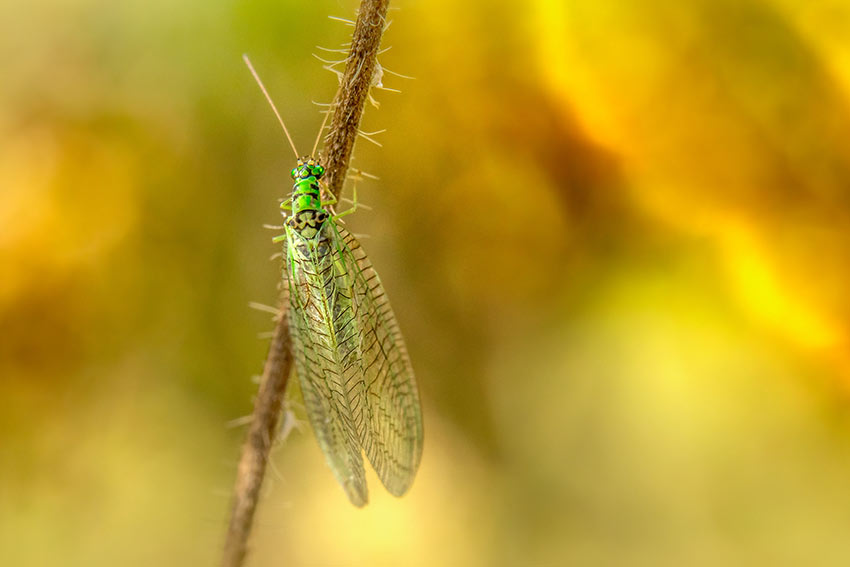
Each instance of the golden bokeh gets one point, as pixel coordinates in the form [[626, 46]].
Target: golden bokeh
[[616, 235]]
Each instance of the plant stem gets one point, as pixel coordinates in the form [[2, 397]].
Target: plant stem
[[353, 91], [348, 109], [261, 436]]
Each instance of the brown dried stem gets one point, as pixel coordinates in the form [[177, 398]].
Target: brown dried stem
[[353, 91], [348, 109]]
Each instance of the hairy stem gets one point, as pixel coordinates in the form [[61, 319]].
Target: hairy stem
[[261, 435], [347, 111], [353, 91]]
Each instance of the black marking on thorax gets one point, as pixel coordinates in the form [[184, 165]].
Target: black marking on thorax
[[307, 219]]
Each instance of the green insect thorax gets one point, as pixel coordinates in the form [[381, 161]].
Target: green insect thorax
[[306, 194], [306, 200]]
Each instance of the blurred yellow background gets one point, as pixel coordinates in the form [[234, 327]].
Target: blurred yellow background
[[616, 235]]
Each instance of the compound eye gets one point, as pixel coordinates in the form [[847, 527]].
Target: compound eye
[[294, 172], [318, 171]]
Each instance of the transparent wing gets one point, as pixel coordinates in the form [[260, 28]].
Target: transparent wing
[[322, 362], [392, 432]]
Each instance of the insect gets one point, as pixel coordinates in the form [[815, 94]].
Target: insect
[[350, 358]]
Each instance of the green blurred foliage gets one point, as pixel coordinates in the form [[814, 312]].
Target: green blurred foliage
[[615, 234]]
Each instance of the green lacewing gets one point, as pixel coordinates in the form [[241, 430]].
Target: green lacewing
[[352, 364]]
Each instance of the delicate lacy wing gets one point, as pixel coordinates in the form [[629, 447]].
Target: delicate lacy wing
[[325, 342], [392, 436]]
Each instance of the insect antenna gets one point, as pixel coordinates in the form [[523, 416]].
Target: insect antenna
[[321, 129], [268, 98]]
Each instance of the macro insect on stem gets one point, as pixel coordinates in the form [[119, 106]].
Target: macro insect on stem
[[352, 364], [360, 67]]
